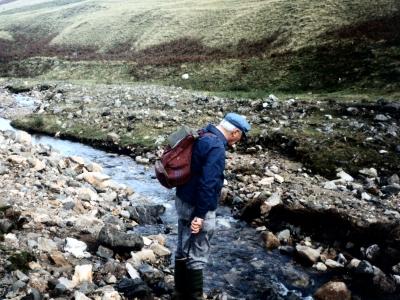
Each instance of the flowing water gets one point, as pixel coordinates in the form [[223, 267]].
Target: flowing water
[[239, 263]]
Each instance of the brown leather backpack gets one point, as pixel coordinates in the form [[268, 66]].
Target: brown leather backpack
[[173, 167]]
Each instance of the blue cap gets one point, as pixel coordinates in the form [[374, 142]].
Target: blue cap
[[239, 122]]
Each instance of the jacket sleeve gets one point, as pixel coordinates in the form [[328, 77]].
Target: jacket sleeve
[[210, 181]]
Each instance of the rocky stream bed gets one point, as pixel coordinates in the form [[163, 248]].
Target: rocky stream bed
[[78, 222]]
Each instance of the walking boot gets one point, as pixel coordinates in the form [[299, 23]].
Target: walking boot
[[180, 274], [195, 284]]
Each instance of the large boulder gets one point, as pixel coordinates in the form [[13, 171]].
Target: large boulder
[[146, 214], [113, 238]]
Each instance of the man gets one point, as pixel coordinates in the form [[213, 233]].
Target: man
[[197, 201]]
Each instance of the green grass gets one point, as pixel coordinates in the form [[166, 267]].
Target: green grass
[[215, 22]]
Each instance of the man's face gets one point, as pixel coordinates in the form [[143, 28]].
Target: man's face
[[234, 137]]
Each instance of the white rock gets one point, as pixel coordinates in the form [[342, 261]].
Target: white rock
[[354, 263], [185, 76], [147, 241], [160, 250], [309, 253], [111, 296], [87, 194], [23, 137], [83, 273], [273, 97], [11, 240], [320, 267], [94, 167], [284, 236], [267, 181], [76, 248], [371, 172], [146, 255], [365, 196], [330, 185], [96, 179], [333, 264], [132, 271], [17, 159], [344, 176], [142, 160], [38, 165], [274, 169], [80, 296], [279, 178], [77, 160], [69, 284], [89, 223], [46, 245]]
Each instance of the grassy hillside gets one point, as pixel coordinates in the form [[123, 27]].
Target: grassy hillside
[[234, 45]]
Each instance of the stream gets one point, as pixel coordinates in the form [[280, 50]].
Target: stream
[[239, 264]]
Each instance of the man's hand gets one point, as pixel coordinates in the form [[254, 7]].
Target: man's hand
[[196, 225]]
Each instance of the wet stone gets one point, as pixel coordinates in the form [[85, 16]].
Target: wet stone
[[333, 291]]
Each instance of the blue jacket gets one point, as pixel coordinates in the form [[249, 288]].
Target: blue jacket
[[207, 172]]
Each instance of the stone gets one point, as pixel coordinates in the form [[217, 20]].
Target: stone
[[160, 250], [150, 274], [133, 273], [372, 252], [6, 225], [396, 269], [104, 252], [59, 260], [330, 185], [142, 160], [94, 167], [364, 268], [284, 236], [391, 189], [23, 137], [320, 266], [144, 255], [76, 248], [146, 214], [185, 76], [46, 245], [370, 172], [21, 276], [344, 176], [133, 288], [279, 178], [113, 137], [77, 160], [394, 179], [270, 240], [87, 194], [17, 159], [365, 196], [111, 295], [381, 118], [333, 291], [266, 181], [333, 264], [83, 273], [80, 296], [272, 201], [119, 241], [308, 253], [96, 179], [65, 282]]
